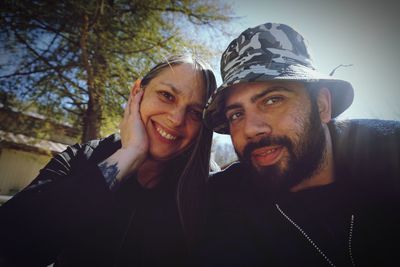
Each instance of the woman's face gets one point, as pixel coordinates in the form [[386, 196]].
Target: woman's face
[[171, 110]]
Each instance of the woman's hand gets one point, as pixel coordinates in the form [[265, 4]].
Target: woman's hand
[[133, 133], [135, 143]]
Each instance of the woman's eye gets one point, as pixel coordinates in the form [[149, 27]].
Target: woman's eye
[[196, 115], [167, 96]]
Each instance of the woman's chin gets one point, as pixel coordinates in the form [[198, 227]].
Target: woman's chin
[[157, 156]]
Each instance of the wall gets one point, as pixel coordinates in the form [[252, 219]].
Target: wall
[[18, 168]]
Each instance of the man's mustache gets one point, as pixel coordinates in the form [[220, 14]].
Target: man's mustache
[[266, 141]]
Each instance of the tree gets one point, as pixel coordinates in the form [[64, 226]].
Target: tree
[[77, 59]]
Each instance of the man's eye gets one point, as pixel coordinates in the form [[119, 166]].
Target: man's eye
[[234, 116], [167, 96], [273, 100]]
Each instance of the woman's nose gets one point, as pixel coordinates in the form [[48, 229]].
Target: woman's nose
[[177, 116]]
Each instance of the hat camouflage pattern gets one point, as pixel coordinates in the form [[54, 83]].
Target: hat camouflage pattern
[[268, 52]]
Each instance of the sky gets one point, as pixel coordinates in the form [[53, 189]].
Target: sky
[[363, 33]]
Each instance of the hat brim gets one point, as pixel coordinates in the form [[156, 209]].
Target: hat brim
[[342, 92]]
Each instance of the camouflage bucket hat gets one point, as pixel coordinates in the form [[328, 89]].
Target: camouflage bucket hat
[[270, 52]]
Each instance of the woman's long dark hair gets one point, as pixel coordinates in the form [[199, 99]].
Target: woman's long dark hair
[[191, 167]]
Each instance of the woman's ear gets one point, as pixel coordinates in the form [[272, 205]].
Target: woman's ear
[[136, 87], [324, 104]]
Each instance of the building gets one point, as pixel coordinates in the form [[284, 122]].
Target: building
[[27, 142]]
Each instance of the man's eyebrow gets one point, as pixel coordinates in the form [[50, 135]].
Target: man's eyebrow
[[254, 98], [232, 106], [268, 90]]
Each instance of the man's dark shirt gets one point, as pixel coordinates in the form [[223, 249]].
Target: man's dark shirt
[[248, 230]]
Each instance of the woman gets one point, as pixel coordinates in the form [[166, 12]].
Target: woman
[[131, 200]]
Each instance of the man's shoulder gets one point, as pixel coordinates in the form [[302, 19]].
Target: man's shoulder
[[231, 175], [365, 134], [225, 190], [371, 127], [367, 150]]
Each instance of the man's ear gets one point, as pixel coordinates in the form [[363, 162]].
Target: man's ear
[[324, 104]]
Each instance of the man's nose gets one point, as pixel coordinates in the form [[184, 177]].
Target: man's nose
[[256, 125]]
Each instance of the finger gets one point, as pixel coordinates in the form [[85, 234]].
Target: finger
[[136, 87], [135, 103], [127, 106], [135, 90]]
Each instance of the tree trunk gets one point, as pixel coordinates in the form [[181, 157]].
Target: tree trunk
[[92, 117], [91, 120]]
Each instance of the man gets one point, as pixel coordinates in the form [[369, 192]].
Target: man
[[308, 190]]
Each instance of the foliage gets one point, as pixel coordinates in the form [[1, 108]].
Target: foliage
[[75, 60]]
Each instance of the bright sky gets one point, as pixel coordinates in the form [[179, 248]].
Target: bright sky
[[363, 33]]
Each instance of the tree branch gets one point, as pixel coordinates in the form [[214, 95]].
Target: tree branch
[[121, 95], [73, 111], [158, 44], [31, 49], [46, 27]]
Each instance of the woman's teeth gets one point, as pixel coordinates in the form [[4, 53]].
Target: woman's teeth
[[165, 134]]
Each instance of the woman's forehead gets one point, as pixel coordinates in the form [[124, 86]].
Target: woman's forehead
[[182, 75]]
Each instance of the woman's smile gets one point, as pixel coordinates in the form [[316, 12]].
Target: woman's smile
[[165, 134]]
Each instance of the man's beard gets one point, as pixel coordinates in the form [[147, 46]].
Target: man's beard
[[305, 157]]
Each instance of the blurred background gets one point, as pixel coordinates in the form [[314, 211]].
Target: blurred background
[[66, 67]]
